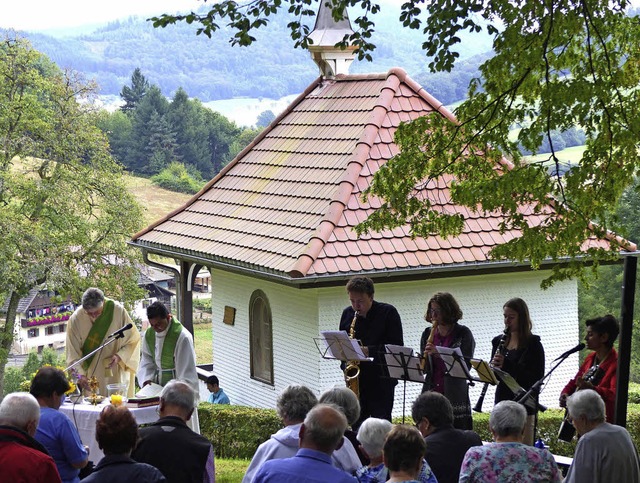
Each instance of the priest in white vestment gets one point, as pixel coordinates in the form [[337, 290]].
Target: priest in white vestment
[[89, 327], [168, 353]]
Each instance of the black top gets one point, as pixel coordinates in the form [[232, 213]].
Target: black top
[[381, 326], [526, 365], [172, 447], [446, 448], [123, 469]]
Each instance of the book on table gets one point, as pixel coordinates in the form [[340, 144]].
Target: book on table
[[149, 395]]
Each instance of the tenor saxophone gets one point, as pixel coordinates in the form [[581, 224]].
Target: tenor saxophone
[[352, 369]]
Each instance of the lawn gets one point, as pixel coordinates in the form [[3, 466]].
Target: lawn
[[230, 471], [203, 341]]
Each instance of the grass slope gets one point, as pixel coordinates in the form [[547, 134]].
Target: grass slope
[[157, 202]]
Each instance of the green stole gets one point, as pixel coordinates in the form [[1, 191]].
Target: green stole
[[167, 361], [98, 332]]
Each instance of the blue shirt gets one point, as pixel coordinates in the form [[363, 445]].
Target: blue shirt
[[307, 466], [57, 433], [218, 397]]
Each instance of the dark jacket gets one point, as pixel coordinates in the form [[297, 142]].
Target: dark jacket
[[446, 448], [173, 448], [121, 468]]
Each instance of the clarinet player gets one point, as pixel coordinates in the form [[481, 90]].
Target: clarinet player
[[522, 356], [375, 324]]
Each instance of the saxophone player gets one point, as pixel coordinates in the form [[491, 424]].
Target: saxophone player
[[376, 324], [522, 357]]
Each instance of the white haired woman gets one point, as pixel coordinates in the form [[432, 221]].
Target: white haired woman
[[605, 452], [508, 458]]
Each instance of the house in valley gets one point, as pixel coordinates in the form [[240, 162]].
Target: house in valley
[[41, 321], [276, 230]]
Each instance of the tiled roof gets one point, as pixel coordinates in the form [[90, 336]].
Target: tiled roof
[[287, 204]]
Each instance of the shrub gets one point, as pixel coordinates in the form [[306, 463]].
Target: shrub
[[176, 177], [236, 431]]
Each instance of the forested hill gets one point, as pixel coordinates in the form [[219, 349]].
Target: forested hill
[[211, 69]]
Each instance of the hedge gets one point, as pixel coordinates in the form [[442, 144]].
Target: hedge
[[237, 431]]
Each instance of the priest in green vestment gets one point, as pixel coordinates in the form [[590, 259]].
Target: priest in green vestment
[[88, 328]]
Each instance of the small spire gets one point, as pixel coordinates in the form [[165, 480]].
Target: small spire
[[326, 34]]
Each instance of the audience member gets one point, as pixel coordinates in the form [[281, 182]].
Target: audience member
[[169, 445], [371, 435], [292, 406], [446, 446], [443, 312], [508, 458], [604, 452], [117, 433], [22, 458], [217, 395], [88, 328], [321, 433], [402, 452], [55, 430], [346, 457]]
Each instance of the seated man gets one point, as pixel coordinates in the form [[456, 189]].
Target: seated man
[[604, 452], [402, 453], [320, 435], [292, 406], [22, 458], [446, 445], [169, 445], [508, 458], [217, 395], [55, 430]]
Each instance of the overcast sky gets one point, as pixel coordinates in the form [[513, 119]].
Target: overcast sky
[[50, 14]]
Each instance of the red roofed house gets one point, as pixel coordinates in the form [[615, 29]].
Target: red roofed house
[[275, 229]]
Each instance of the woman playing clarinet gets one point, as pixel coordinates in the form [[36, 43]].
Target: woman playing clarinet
[[521, 355], [444, 312]]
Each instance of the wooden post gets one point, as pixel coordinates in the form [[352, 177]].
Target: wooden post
[[624, 344]]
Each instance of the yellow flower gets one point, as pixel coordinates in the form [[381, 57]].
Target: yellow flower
[[116, 400]]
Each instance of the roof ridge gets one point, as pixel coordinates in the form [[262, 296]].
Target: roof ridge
[[234, 161], [355, 164]]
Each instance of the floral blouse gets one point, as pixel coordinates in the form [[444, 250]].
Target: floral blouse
[[509, 463]]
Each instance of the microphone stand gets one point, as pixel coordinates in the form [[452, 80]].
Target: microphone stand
[[535, 389], [112, 338]]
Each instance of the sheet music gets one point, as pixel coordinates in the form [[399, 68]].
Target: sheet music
[[485, 373], [340, 346], [395, 361], [451, 357]]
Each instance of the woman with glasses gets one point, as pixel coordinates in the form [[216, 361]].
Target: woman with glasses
[[520, 353], [443, 312]]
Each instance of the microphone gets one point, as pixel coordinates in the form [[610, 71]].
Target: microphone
[[120, 332], [577, 348]]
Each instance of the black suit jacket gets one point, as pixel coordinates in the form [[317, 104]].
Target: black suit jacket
[[446, 448]]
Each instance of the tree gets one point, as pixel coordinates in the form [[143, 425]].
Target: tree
[[265, 118], [65, 214], [134, 94], [556, 64]]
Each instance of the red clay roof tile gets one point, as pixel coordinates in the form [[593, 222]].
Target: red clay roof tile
[[289, 201]]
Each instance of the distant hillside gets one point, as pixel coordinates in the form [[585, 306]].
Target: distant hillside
[[156, 202], [210, 69]]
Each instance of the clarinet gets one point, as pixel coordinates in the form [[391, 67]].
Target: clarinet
[[500, 350]]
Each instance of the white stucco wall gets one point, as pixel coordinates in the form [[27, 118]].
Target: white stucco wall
[[299, 315]]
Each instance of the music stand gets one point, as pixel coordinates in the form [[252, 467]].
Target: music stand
[[455, 365], [403, 365], [523, 397], [484, 371], [338, 345]]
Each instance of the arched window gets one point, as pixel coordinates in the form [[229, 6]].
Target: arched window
[[261, 337]]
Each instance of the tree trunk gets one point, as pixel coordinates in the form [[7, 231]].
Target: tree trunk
[[6, 336]]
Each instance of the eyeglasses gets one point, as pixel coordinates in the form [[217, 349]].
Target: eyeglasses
[[435, 311]]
